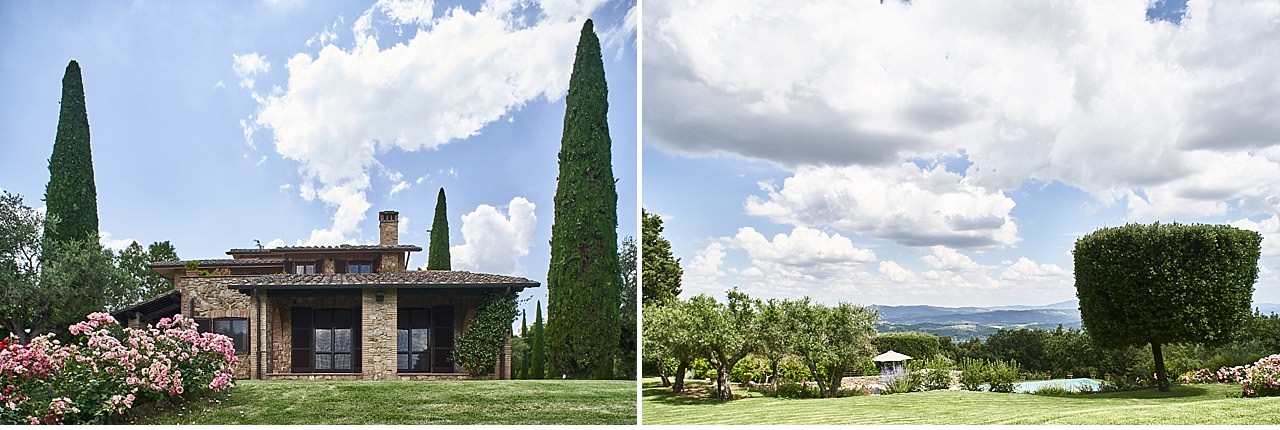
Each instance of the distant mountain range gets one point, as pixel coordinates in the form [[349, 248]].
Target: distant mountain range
[[968, 322]]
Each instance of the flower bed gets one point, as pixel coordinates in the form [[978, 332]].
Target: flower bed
[[1260, 379], [107, 370]]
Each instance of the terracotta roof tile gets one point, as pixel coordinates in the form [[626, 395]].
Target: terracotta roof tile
[[218, 262], [333, 248], [413, 278]]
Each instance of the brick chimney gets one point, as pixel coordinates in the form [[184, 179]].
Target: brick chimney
[[388, 228]]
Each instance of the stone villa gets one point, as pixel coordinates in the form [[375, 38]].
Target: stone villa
[[330, 312]]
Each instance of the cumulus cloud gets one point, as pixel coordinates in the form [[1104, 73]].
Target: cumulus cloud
[[803, 247], [702, 274], [458, 72], [248, 66], [117, 245], [493, 242], [903, 203], [1092, 94]]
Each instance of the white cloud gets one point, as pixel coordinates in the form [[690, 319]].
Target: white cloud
[[493, 242], [408, 11], [274, 243], [803, 247], [702, 275], [1270, 230], [248, 66], [1028, 271], [1087, 93], [117, 245], [896, 273], [397, 188], [902, 203], [343, 106]]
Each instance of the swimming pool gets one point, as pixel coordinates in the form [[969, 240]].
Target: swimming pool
[[1075, 384]]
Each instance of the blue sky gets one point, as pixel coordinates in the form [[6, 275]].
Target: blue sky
[[217, 123], [950, 153]]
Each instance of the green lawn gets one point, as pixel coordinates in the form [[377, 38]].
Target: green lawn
[[1192, 404], [395, 402]]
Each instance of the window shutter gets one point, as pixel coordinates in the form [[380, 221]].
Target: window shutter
[[319, 266], [377, 265], [288, 267], [339, 266]]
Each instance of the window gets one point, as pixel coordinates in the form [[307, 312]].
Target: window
[[235, 328], [424, 340], [360, 267], [304, 268], [323, 340]]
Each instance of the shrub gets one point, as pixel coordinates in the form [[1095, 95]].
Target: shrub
[[1051, 390], [934, 373], [902, 384], [915, 344], [791, 390], [973, 373], [750, 369], [1262, 379], [854, 391], [106, 370], [1001, 375]]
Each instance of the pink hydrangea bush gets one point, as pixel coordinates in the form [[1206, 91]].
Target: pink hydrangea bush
[[107, 370], [1262, 378]]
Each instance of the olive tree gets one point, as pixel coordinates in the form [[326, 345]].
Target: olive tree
[[1165, 283], [831, 340]]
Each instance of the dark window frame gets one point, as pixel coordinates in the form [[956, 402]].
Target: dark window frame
[[360, 266], [310, 325], [211, 325], [439, 322]]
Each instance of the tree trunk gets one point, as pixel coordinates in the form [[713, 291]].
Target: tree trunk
[[679, 385], [1162, 380], [774, 378], [666, 379], [817, 377], [833, 387], [723, 390]]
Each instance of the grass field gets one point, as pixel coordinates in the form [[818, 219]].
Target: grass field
[[1189, 404], [395, 402]]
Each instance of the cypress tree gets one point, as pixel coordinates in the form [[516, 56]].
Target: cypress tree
[[539, 363], [71, 195], [583, 281], [438, 251], [524, 335]]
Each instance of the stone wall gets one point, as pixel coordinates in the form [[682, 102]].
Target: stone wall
[[211, 298], [390, 263], [280, 328], [378, 338]]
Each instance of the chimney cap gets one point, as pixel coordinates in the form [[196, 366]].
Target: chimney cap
[[388, 215]]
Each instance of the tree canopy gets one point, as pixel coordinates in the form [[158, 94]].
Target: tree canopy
[[1165, 283], [662, 270], [71, 196], [627, 309], [584, 275], [140, 282], [438, 251], [46, 286]]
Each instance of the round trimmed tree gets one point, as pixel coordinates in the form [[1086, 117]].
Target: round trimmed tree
[[1165, 283]]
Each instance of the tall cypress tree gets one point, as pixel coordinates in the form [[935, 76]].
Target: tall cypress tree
[[583, 278], [71, 195], [438, 251], [524, 335], [537, 366]]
